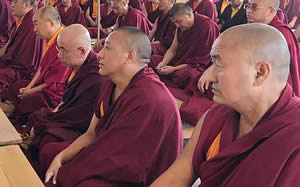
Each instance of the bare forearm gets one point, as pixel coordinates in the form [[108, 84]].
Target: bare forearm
[[180, 66], [170, 54], [38, 88]]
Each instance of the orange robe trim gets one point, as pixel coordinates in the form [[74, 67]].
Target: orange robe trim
[[95, 9], [19, 21], [214, 147], [71, 76], [235, 10], [52, 40], [101, 109], [224, 5]]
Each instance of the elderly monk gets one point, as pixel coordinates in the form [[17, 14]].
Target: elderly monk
[[163, 31], [70, 13], [204, 7], [234, 14], [46, 88], [7, 20], [188, 57], [256, 114], [135, 133], [264, 11], [73, 115], [21, 56]]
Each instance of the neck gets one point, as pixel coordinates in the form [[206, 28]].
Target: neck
[[126, 9], [54, 30], [165, 11], [253, 112], [122, 79]]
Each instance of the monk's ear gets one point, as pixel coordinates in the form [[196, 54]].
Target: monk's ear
[[263, 71], [132, 55], [83, 51]]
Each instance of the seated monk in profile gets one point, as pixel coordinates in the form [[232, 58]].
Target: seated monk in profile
[[135, 133], [46, 88], [71, 118], [20, 58], [251, 136], [188, 57]]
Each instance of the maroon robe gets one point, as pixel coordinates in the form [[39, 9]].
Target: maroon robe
[[267, 156], [107, 20], [136, 4], [73, 15], [291, 10], [138, 137], [74, 115], [194, 50], [280, 14], [294, 78], [135, 18], [164, 34], [23, 54], [152, 14], [6, 20], [53, 73], [206, 8]]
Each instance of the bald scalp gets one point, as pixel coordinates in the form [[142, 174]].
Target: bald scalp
[[138, 41], [274, 3], [77, 36], [179, 9], [260, 43], [49, 13]]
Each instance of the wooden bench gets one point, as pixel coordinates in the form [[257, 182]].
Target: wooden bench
[[8, 134], [15, 170]]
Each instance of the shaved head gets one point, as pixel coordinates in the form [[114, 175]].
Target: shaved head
[[274, 3], [260, 43], [49, 13], [76, 36], [138, 41], [179, 9]]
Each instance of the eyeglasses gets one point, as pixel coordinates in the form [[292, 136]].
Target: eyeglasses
[[252, 6], [63, 51]]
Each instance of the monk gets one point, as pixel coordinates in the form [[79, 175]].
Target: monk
[[234, 14], [150, 9], [70, 13], [129, 16], [7, 21], [188, 57], [267, 14], [46, 88], [135, 133], [256, 115], [108, 17], [292, 10], [221, 6], [163, 31], [20, 58], [71, 118], [204, 7]]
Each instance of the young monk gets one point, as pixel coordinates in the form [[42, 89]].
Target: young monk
[[70, 13], [236, 142], [20, 58], [46, 88], [188, 57], [135, 133], [163, 31]]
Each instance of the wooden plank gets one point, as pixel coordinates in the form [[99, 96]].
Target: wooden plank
[[187, 130], [15, 170], [8, 133]]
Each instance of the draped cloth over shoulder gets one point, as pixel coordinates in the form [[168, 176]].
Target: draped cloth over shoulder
[[138, 137]]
